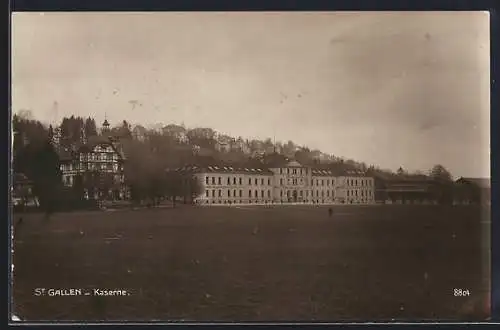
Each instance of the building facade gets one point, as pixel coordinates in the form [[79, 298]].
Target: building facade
[[355, 187], [400, 189], [97, 165], [177, 132], [285, 183]]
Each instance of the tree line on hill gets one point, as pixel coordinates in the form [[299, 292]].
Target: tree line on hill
[[149, 152]]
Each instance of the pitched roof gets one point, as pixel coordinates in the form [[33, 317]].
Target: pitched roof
[[322, 172], [480, 182], [350, 173], [293, 163], [402, 178], [174, 128], [64, 154], [221, 168], [275, 160]]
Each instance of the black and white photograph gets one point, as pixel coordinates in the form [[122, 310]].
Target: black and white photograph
[[250, 166]]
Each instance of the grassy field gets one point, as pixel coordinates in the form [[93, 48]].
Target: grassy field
[[256, 263]]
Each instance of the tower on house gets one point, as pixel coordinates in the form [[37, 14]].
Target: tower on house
[[105, 126]]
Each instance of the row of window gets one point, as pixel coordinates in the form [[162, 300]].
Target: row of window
[[319, 182], [91, 166], [328, 182], [69, 179], [104, 156], [360, 182], [235, 181], [265, 201], [238, 193], [300, 171], [363, 193], [301, 193]]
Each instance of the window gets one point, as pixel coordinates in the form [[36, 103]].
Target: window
[[317, 182], [256, 181], [281, 171], [300, 171], [300, 193], [256, 193], [249, 193], [347, 193], [241, 181], [356, 193], [269, 194], [213, 180], [322, 193], [234, 180], [281, 193], [262, 193], [220, 180], [206, 180], [241, 193], [220, 193], [213, 193], [328, 193], [228, 193], [317, 193], [207, 193], [250, 181], [322, 182], [327, 182], [307, 193], [262, 181], [228, 181], [281, 182], [268, 182], [234, 193]]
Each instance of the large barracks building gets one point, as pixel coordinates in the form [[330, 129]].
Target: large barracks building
[[279, 183]]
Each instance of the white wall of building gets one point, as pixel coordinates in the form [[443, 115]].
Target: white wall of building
[[284, 185]]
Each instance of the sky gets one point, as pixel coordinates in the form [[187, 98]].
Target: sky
[[390, 89]]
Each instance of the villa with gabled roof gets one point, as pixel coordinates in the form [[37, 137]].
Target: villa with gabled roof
[[98, 158]]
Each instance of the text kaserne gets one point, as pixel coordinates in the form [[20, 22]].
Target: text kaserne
[[101, 292]]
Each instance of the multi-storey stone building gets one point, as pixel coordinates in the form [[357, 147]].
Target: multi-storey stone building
[[354, 187], [285, 182]]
